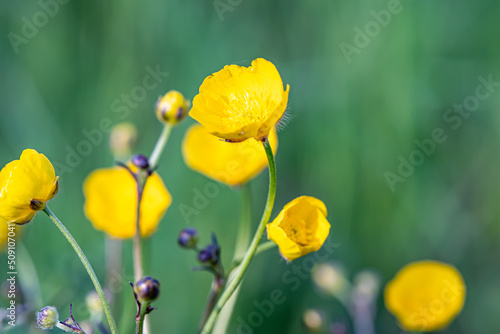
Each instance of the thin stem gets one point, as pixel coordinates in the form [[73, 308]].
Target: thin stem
[[141, 179], [262, 248], [217, 285], [88, 267], [160, 145], [142, 316], [232, 285], [137, 250], [242, 241], [243, 237]]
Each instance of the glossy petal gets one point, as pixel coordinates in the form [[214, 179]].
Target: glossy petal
[[425, 295], [238, 102], [230, 163], [111, 202], [25, 187], [300, 228]]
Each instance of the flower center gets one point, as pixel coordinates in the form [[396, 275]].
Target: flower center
[[299, 231]]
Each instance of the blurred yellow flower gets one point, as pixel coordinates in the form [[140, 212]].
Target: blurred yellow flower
[[425, 295], [238, 102], [26, 185], [300, 228], [5, 229], [172, 107], [122, 139], [111, 202], [230, 163]]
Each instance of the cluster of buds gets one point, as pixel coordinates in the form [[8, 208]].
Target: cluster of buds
[[209, 256]]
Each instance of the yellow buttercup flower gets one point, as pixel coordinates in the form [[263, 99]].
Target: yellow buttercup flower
[[238, 102], [26, 185], [230, 163], [300, 228], [425, 295], [111, 202]]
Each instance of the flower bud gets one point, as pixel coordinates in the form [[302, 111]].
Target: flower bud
[[140, 161], [313, 320], [188, 238], [122, 139], [147, 289], [94, 303], [47, 318], [172, 107], [210, 255]]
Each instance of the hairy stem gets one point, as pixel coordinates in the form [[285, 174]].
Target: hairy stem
[[88, 267]]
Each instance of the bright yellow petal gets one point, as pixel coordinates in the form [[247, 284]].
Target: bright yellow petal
[[300, 228], [230, 163], [425, 295], [238, 103], [32, 177], [288, 248], [111, 202]]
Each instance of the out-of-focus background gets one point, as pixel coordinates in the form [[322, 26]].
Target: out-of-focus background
[[393, 124]]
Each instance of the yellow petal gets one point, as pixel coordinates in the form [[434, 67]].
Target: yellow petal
[[425, 295], [111, 202], [238, 103], [230, 163], [22, 181], [300, 228]]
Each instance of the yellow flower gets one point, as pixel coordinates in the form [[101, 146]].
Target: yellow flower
[[238, 102], [26, 185], [172, 107], [300, 228], [111, 202], [425, 295], [5, 229], [230, 163]]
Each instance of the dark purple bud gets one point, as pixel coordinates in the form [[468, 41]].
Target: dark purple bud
[[209, 255], [140, 161], [188, 238], [147, 289]]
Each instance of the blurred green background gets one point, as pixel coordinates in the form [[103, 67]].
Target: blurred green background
[[358, 104]]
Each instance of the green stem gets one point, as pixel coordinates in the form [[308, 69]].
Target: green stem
[[137, 250], [217, 285], [262, 248], [232, 285], [243, 237], [242, 241], [142, 316], [160, 145], [88, 267]]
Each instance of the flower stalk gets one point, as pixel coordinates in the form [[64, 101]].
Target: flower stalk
[[235, 282], [88, 267], [160, 145]]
